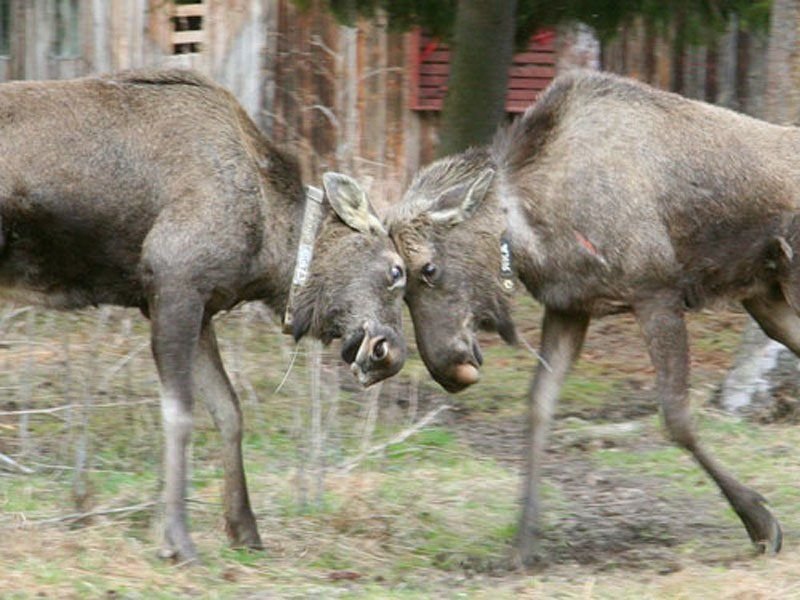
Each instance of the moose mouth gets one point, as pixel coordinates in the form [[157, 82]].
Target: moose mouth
[[465, 372]]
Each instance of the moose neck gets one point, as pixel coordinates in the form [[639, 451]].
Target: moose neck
[[516, 231], [273, 273]]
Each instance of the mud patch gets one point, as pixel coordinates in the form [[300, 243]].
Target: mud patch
[[606, 518]]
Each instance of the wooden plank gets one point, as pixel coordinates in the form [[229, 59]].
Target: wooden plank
[[539, 57], [522, 95], [188, 37], [430, 104], [412, 64], [188, 10], [538, 83], [441, 55], [532, 71], [432, 80], [396, 111], [519, 106], [432, 92], [426, 69]]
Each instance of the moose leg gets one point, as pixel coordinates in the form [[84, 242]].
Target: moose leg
[[212, 384], [664, 330], [562, 338], [777, 319], [176, 318]]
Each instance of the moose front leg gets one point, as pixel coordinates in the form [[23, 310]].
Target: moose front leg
[[212, 384], [664, 330], [562, 338]]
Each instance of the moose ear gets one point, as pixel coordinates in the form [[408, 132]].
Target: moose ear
[[350, 202], [460, 202]]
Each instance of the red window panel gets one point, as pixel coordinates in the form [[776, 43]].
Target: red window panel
[[429, 63]]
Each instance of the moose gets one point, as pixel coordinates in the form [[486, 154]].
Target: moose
[[605, 197], [153, 189]]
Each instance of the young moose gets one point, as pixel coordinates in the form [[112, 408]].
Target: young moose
[[155, 190], [606, 197]]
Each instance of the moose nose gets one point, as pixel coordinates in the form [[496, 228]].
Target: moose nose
[[381, 354], [380, 349]]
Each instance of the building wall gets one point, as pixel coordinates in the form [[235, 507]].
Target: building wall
[[339, 97], [124, 34]]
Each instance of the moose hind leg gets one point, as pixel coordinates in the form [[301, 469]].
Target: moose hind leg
[[212, 384], [176, 318], [664, 330]]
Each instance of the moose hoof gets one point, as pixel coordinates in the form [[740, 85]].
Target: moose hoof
[[763, 529], [770, 539]]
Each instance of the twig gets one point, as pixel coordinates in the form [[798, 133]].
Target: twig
[[93, 513], [315, 426], [121, 363], [56, 409], [327, 112], [396, 439], [295, 352], [372, 415], [536, 353], [10, 462]]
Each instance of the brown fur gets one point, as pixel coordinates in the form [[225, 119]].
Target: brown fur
[[154, 189], [616, 197]]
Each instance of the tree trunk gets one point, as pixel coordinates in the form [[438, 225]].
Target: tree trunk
[[782, 103], [765, 373], [483, 46]]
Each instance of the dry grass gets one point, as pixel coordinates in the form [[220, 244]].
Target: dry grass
[[428, 516]]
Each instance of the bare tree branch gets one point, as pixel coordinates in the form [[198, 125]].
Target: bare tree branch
[[65, 407], [396, 439], [11, 465]]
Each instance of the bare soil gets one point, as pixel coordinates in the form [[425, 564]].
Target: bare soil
[[617, 520]]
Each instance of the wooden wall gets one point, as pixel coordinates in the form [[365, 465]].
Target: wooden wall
[[338, 96], [124, 34]]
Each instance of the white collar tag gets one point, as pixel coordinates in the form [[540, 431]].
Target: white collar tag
[[312, 217], [506, 263]]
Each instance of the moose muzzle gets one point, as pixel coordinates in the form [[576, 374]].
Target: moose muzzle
[[374, 353]]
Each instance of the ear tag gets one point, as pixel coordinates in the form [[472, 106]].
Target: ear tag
[[312, 216], [506, 264]]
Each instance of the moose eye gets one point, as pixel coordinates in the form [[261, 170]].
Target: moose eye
[[428, 272], [396, 275]]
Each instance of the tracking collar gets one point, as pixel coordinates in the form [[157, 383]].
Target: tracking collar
[[312, 217]]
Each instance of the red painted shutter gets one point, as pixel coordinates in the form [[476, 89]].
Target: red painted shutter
[[429, 63]]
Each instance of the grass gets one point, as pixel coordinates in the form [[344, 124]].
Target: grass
[[625, 514]]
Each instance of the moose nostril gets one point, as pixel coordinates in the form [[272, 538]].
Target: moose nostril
[[476, 352], [380, 350]]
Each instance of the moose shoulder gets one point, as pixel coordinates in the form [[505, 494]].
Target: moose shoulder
[[612, 197], [153, 189]]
